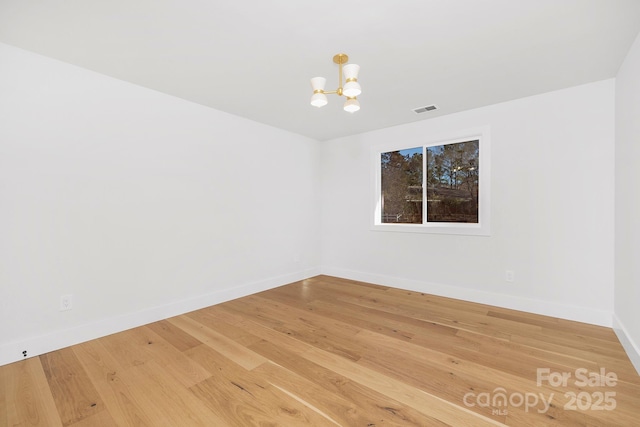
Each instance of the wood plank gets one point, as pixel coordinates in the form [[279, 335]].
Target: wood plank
[[457, 315], [554, 323], [140, 345], [429, 404], [454, 378], [106, 374], [225, 324], [359, 405], [244, 398], [174, 336], [4, 398], [73, 392], [617, 364], [27, 396], [419, 332], [101, 419], [313, 289], [165, 400], [226, 346], [326, 333]]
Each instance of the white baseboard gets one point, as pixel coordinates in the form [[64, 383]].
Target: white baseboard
[[630, 346], [37, 345], [546, 308]]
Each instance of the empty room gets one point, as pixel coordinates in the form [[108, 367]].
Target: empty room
[[337, 213]]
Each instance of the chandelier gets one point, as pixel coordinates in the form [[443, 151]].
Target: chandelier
[[351, 88]]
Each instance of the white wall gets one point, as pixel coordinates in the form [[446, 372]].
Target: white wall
[[552, 209], [139, 204], [627, 220]]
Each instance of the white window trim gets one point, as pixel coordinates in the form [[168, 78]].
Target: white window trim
[[482, 228]]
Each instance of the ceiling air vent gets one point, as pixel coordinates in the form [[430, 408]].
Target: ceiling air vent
[[421, 110]]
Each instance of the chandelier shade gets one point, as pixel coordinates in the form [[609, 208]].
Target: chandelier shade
[[351, 89], [347, 86], [351, 105], [319, 100], [318, 83]]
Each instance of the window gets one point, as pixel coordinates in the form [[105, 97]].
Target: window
[[440, 186]]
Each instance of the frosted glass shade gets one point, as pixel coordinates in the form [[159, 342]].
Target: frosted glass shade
[[319, 100], [351, 89], [318, 83], [351, 71], [351, 105]]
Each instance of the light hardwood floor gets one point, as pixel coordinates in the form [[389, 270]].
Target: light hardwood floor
[[332, 352]]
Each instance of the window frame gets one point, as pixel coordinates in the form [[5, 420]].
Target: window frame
[[481, 228]]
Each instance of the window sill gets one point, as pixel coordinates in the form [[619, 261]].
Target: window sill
[[442, 228]]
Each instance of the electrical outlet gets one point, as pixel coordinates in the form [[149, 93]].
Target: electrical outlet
[[509, 276], [66, 302]]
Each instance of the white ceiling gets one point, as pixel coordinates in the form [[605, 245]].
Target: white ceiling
[[254, 58]]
